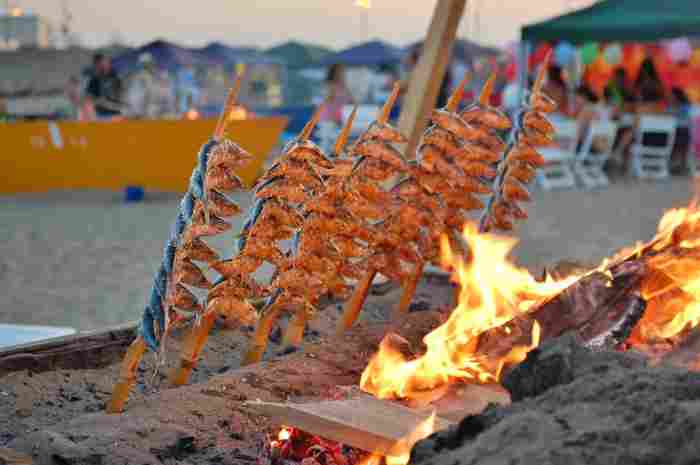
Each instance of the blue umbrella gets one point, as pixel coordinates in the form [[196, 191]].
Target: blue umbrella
[[165, 55], [372, 53]]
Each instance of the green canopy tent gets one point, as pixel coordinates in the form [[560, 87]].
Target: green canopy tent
[[621, 20], [614, 20]]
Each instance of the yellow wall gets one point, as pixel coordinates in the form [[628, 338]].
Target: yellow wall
[[158, 155]]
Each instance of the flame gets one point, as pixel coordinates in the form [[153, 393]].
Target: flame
[[672, 285], [400, 452], [493, 292]]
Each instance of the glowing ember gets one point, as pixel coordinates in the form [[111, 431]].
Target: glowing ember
[[493, 292], [293, 446], [285, 434]]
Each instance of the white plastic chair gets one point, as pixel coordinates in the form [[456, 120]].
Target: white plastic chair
[[557, 173], [652, 162], [589, 163]]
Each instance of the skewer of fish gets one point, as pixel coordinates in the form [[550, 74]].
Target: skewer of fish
[[199, 215], [521, 160], [377, 161], [318, 260]]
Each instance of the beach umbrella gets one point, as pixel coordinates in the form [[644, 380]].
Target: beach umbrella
[[589, 52], [678, 50], [564, 54], [613, 54]]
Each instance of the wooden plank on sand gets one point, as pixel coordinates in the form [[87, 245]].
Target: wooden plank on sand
[[361, 421], [376, 425]]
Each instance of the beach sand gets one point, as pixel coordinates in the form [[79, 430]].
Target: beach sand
[[86, 260]]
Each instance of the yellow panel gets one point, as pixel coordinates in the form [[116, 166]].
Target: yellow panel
[[157, 155]]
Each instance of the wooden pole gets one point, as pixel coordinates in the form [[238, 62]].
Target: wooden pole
[[428, 74]]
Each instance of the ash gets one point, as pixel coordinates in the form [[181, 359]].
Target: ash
[[575, 406]]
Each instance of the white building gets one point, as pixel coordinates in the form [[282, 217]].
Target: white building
[[20, 29]]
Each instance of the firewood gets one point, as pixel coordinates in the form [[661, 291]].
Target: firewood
[[361, 421], [600, 308]]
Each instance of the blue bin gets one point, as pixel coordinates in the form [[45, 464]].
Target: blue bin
[[133, 194]]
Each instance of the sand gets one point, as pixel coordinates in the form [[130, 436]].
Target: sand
[[85, 259], [606, 408]]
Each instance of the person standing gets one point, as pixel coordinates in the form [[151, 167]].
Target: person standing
[[337, 96], [187, 89], [142, 95], [104, 90]]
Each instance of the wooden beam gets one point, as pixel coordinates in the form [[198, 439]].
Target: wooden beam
[[427, 76], [374, 425]]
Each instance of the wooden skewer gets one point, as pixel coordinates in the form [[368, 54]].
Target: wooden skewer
[[294, 334], [457, 95], [258, 344], [409, 290], [353, 307], [309, 128], [345, 133], [389, 104], [225, 115], [487, 91], [127, 375], [541, 75], [194, 343]]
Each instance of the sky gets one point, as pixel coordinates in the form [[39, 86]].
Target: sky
[[262, 23]]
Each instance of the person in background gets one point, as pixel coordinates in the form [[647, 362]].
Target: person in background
[[336, 97], [187, 90], [651, 94], [166, 100], [619, 94], [142, 95], [591, 107], [556, 88], [679, 105], [104, 90], [650, 99], [72, 91]]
